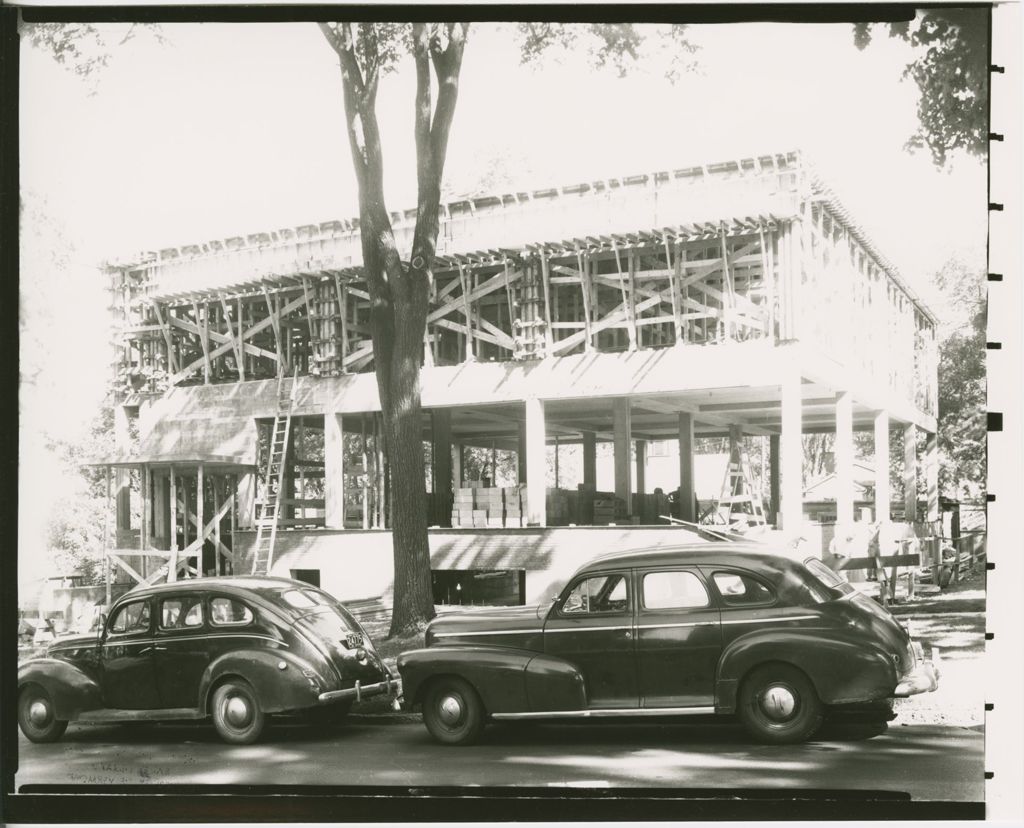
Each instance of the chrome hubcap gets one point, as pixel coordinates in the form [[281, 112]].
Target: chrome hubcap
[[237, 711], [778, 703], [39, 713], [450, 709]]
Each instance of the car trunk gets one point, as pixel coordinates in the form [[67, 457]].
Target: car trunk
[[344, 640]]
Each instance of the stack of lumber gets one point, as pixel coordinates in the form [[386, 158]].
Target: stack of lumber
[[557, 507]]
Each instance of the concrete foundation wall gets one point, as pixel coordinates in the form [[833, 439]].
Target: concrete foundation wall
[[358, 564]]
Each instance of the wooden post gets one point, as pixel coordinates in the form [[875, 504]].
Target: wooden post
[[791, 449], [844, 459], [536, 466], [546, 277], [200, 488], [687, 497], [910, 473], [883, 492], [334, 472], [216, 527], [621, 433], [521, 451], [931, 476], [774, 477], [233, 526], [441, 471], [106, 542], [583, 263], [641, 477], [590, 461], [172, 564]]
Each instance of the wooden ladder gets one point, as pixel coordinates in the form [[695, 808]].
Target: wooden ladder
[[740, 502], [266, 528]]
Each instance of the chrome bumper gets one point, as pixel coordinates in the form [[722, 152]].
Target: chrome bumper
[[391, 686], [924, 678]]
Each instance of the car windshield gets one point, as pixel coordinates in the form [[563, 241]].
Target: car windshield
[[827, 577]]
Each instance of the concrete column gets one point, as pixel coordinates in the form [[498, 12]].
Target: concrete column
[[590, 461], [641, 475], [774, 478], [791, 455], [844, 459], [521, 452], [161, 515], [910, 472], [687, 504], [334, 472], [931, 476], [883, 493], [456, 454], [536, 465], [441, 440], [246, 500], [621, 433], [122, 476]]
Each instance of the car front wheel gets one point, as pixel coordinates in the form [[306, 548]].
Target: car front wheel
[[237, 714], [778, 705], [453, 712], [36, 716]]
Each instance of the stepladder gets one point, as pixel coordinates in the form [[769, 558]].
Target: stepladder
[[277, 457], [740, 504]]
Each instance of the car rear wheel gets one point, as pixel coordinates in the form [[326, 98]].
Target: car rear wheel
[[453, 712], [237, 714], [36, 716], [778, 705]]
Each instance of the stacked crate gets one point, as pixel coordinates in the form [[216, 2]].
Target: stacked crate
[[513, 506], [557, 507], [464, 507], [604, 511], [491, 502]]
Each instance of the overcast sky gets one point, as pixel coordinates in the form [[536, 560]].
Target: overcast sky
[[233, 129]]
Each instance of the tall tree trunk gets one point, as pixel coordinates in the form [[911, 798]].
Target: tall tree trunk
[[398, 292]]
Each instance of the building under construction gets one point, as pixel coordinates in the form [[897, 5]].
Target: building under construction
[[730, 300]]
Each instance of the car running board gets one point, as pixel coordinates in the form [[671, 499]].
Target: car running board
[[107, 714], [602, 712]]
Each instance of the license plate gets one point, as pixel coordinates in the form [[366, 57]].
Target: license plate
[[353, 640]]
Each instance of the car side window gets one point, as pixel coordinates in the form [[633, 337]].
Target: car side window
[[598, 594], [181, 613], [674, 590], [739, 590], [131, 618], [229, 612]]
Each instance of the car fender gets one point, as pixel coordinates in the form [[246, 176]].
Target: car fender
[[72, 691], [843, 668], [508, 680], [293, 686]]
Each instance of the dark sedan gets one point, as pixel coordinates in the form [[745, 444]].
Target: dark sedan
[[701, 629], [234, 649]]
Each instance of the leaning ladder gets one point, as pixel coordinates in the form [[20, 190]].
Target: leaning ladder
[[740, 502], [266, 528]]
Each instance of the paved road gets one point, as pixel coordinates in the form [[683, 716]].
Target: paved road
[[928, 762]]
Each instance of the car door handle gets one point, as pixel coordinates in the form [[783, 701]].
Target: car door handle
[[159, 648], [145, 650]]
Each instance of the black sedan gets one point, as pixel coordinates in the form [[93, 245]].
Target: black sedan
[[233, 649]]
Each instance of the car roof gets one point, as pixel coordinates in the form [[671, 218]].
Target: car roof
[[228, 583], [756, 557]]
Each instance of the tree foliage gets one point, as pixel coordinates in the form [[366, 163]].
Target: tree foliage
[[82, 48], [962, 386], [950, 70]]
